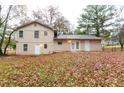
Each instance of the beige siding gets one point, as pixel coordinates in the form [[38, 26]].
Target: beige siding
[[28, 38], [48, 50], [31, 48], [82, 45], [19, 49], [28, 34], [95, 45], [59, 48]]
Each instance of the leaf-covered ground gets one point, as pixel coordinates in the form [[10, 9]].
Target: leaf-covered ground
[[64, 69]]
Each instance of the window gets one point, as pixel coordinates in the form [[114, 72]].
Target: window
[[45, 46], [20, 34], [77, 45], [45, 33], [36, 34], [59, 43], [73, 45], [25, 47]]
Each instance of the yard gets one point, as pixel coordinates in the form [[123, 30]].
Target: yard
[[64, 69]]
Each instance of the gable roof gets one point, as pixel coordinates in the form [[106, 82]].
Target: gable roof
[[78, 37], [32, 22]]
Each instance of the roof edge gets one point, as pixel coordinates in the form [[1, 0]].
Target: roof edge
[[31, 22]]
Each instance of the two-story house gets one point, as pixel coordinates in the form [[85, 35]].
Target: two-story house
[[35, 38]]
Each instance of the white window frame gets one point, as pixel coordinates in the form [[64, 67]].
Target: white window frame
[[25, 47], [35, 34], [74, 45], [22, 34]]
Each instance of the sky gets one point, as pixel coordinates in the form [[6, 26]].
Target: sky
[[70, 9]]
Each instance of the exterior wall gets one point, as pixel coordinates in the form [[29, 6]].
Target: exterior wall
[[66, 45], [31, 48], [19, 49], [28, 38], [59, 48], [95, 45], [28, 34], [52, 45]]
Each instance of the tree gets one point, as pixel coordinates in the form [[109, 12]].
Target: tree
[[47, 15], [62, 25], [12, 13], [121, 37], [52, 17], [4, 28], [117, 32], [78, 31], [96, 19]]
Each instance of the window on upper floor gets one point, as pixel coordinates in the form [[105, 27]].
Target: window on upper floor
[[25, 47], [21, 34], [45, 33], [36, 34]]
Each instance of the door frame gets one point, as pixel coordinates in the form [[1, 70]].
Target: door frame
[[87, 45], [37, 46], [74, 46]]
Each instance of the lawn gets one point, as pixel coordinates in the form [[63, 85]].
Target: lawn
[[64, 69], [115, 46]]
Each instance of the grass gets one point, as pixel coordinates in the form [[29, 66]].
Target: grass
[[64, 69], [115, 46], [11, 52]]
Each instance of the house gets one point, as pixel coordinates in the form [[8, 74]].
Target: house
[[35, 38]]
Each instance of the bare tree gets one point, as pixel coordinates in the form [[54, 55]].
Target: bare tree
[[4, 29], [13, 12], [121, 37], [118, 28], [62, 25], [52, 17], [47, 15]]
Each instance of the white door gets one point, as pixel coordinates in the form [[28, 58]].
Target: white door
[[87, 45], [37, 50], [72, 46], [75, 46]]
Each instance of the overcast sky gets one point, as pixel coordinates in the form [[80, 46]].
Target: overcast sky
[[70, 9]]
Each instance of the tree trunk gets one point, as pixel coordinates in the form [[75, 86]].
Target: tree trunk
[[121, 47], [8, 42], [1, 52], [97, 33], [4, 31]]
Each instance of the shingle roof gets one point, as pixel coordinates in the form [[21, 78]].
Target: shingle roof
[[77, 37], [28, 23]]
